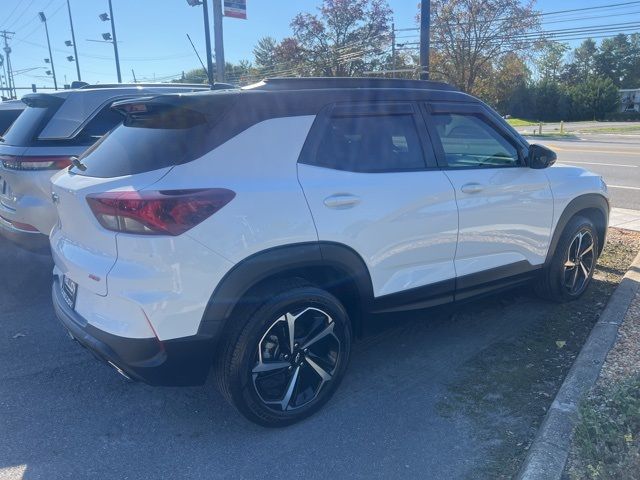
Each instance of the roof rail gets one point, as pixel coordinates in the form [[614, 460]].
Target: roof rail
[[121, 85], [302, 83]]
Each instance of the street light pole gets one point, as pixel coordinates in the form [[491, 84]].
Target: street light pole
[[73, 39], [115, 43], [43, 19], [217, 33], [425, 22]]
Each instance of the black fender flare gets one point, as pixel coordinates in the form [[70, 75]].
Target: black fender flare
[[578, 204], [273, 261]]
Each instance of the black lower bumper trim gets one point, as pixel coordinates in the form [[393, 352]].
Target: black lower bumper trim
[[179, 362]]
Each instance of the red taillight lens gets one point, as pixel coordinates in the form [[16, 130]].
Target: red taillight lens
[[166, 212], [53, 162]]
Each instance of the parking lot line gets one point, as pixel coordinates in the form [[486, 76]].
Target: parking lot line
[[607, 164], [615, 152], [623, 186]]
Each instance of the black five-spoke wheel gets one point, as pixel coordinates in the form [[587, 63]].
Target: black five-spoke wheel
[[286, 354]]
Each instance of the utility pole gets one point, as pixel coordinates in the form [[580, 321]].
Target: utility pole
[[219, 46], [393, 48], [425, 22], [43, 19], [115, 43], [73, 39], [7, 50], [207, 40]]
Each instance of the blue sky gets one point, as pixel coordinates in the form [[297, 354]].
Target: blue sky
[[152, 33]]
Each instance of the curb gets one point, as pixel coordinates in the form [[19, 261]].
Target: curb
[[550, 448]]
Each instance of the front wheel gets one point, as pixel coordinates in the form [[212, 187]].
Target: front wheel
[[571, 268], [286, 355]]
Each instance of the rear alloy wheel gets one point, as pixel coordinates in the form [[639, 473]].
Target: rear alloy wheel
[[571, 268], [295, 358], [287, 356]]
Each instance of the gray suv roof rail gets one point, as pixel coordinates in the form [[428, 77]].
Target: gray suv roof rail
[[313, 83], [126, 85]]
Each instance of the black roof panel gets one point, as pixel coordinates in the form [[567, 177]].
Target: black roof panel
[[314, 83]]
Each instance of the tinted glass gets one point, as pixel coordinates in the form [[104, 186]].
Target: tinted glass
[[371, 144], [104, 121], [128, 150], [26, 126], [7, 117], [469, 142]]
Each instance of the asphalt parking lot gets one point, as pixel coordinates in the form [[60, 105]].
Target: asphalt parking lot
[[427, 396], [63, 415]]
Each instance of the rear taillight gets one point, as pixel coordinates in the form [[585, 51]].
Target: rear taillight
[[166, 212], [53, 162]]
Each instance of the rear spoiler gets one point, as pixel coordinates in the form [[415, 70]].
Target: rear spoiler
[[42, 100]]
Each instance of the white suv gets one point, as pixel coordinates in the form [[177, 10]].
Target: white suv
[[256, 231]]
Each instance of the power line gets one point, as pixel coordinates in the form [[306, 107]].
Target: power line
[[537, 14]]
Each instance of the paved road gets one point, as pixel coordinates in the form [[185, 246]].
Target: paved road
[[615, 157], [64, 415]]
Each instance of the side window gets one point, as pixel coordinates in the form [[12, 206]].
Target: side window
[[103, 122], [470, 142], [370, 143]]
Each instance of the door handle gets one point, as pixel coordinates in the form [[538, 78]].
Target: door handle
[[472, 187], [342, 201]]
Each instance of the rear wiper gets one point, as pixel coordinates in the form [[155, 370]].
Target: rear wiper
[[75, 161]]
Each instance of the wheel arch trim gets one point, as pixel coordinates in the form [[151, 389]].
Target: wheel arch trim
[[583, 202], [273, 261]]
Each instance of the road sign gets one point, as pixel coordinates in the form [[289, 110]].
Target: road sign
[[235, 9]]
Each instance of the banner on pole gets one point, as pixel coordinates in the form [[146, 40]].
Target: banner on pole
[[235, 9]]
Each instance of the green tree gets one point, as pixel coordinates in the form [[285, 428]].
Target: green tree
[[551, 60], [197, 75], [265, 53], [613, 59], [632, 74], [593, 98], [584, 58]]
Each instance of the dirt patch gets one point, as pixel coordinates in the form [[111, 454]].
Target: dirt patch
[[507, 388]]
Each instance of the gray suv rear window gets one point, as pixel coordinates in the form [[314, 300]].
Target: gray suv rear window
[[27, 125]]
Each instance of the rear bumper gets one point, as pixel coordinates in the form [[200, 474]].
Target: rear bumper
[[33, 241], [178, 362]]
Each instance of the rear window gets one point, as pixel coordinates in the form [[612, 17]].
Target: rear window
[[27, 126], [148, 142]]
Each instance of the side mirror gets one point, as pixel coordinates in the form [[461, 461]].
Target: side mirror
[[541, 157]]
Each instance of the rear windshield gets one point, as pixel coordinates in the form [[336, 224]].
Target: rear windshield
[[147, 143], [27, 126]]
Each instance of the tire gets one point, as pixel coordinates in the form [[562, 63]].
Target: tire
[[260, 374], [570, 271]]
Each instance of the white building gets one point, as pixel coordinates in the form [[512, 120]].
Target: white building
[[629, 99]]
